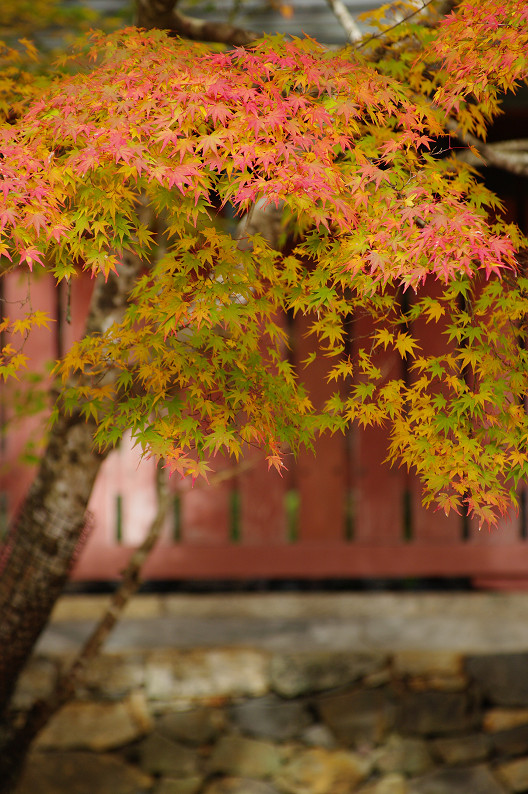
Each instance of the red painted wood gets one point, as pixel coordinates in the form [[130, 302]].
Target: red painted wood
[[205, 550], [313, 560], [206, 509], [320, 478], [262, 495], [508, 529], [262, 491], [378, 489], [506, 532], [431, 525], [123, 501], [20, 293], [78, 297]]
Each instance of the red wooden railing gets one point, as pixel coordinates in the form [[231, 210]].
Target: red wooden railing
[[341, 513]]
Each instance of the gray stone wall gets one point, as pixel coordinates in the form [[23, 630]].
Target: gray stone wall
[[253, 721]]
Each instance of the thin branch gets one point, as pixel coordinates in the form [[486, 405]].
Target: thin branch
[[66, 684], [510, 156], [130, 583], [348, 23], [383, 33], [43, 711]]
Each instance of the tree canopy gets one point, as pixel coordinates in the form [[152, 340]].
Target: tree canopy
[[141, 143]]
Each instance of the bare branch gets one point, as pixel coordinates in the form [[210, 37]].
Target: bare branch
[[163, 14], [511, 156], [348, 23], [222, 32], [263, 218]]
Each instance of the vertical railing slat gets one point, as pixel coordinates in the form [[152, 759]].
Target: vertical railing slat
[[207, 510], [262, 490], [22, 292], [320, 478], [379, 491], [262, 502], [431, 526]]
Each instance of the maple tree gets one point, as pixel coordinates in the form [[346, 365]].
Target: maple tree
[[122, 160]]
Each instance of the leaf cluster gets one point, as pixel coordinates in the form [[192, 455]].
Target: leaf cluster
[[345, 143]]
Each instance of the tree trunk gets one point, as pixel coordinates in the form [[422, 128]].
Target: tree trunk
[[49, 531]]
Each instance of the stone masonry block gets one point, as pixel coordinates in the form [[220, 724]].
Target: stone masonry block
[[503, 678], [437, 713], [358, 717], [293, 674]]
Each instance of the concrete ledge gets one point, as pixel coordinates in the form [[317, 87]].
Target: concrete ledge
[[465, 622]]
